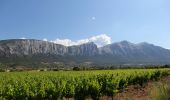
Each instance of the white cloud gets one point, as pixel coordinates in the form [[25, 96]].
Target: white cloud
[[99, 40], [45, 39], [66, 42], [23, 38]]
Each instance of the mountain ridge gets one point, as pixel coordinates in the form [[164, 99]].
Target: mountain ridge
[[122, 52], [123, 41]]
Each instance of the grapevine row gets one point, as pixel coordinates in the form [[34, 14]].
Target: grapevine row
[[78, 85]]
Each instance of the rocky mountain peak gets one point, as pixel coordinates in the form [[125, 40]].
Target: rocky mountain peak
[[21, 47], [123, 51]]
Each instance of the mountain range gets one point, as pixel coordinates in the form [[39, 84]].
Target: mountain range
[[30, 51]]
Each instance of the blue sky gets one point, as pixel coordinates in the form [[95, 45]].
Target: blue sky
[[132, 20]]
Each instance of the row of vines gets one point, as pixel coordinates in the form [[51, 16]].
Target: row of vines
[[72, 84]]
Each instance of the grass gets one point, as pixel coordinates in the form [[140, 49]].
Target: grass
[[161, 90]]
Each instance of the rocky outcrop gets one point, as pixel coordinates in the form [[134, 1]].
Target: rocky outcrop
[[30, 47], [88, 49], [120, 52], [20, 47], [143, 50]]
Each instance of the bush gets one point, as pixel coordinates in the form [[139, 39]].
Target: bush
[[76, 68]]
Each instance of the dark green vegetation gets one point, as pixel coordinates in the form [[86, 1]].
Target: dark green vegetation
[[12, 67], [66, 61], [73, 84]]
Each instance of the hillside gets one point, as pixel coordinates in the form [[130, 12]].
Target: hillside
[[30, 51]]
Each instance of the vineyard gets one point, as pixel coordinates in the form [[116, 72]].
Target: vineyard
[[73, 84]]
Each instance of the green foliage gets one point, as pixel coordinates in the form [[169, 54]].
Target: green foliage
[[72, 84], [76, 68]]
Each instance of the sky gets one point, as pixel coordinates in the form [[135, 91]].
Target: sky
[[72, 22]]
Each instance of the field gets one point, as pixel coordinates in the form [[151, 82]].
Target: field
[[73, 84]]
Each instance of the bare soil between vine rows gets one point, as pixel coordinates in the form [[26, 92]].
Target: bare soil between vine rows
[[135, 92]]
